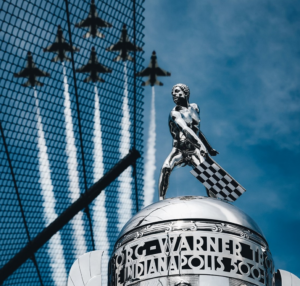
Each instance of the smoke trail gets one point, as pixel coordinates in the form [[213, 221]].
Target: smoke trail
[[55, 248], [150, 167], [99, 210], [125, 179], [74, 194]]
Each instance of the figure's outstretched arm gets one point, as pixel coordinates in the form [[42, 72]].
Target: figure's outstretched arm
[[188, 132], [211, 151]]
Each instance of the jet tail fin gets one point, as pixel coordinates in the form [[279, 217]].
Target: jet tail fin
[[89, 79], [68, 59], [87, 35], [100, 79], [146, 82], [55, 59], [157, 82], [27, 83], [37, 83], [98, 34], [130, 58], [118, 58]]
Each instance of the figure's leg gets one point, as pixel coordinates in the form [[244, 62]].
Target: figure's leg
[[174, 159]]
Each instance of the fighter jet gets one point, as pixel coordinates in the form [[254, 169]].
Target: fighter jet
[[153, 70], [93, 22], [31, 72], [93, 67], [60, 46], [124, 46]]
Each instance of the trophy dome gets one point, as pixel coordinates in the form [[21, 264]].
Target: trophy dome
[[191, 208], [191, 241]]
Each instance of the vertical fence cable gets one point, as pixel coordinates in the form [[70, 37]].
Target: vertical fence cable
[[87, 211], [20, 203], [134, 107]]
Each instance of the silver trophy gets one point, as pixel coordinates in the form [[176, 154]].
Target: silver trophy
[[190, 240], [190, 147]]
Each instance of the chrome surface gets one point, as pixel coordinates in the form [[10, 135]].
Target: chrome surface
[[285, 278], [184, 239], [187, 226], [188, 148], [190, 208], [86, 270], [207, 280], [181, 252]]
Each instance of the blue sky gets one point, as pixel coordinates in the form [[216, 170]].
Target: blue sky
[[241, 60]]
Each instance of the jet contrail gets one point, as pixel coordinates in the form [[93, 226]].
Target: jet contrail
[[125, 179], [74, 194], [99, 210], [55, 248], [149, 182]]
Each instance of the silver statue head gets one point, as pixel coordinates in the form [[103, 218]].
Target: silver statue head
[[180, 93]]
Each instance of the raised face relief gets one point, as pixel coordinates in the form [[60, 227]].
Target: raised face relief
[[178, 95]]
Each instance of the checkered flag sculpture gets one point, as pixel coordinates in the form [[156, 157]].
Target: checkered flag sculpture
[[217, 181]]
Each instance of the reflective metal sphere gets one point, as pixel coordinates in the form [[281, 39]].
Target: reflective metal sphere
[[191, 241], [189, 208]]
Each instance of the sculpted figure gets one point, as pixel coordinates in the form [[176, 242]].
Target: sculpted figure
[[189, 144]]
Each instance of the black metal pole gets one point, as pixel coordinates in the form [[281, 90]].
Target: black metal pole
[[134, 108], [87, 211], [67, 215]]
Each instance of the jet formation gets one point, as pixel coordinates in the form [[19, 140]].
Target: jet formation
[[93, 22], [31, 72], [60, 46], [153, 70], [94, 68], [124, 46]]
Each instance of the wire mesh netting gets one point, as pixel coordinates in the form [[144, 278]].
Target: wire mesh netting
[[61, 133]]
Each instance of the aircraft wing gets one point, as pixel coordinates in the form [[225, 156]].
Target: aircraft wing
[[52, 47], [83, 69], [161, 72], [145, 72], [23, 73], [84, 23], [38, 72], [131, 47], [101, 23], [116, 47], [102, 69]]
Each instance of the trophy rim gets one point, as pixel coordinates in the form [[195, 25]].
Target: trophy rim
[[190, 208]]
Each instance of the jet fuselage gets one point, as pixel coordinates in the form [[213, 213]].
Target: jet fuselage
[[152, 72]]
